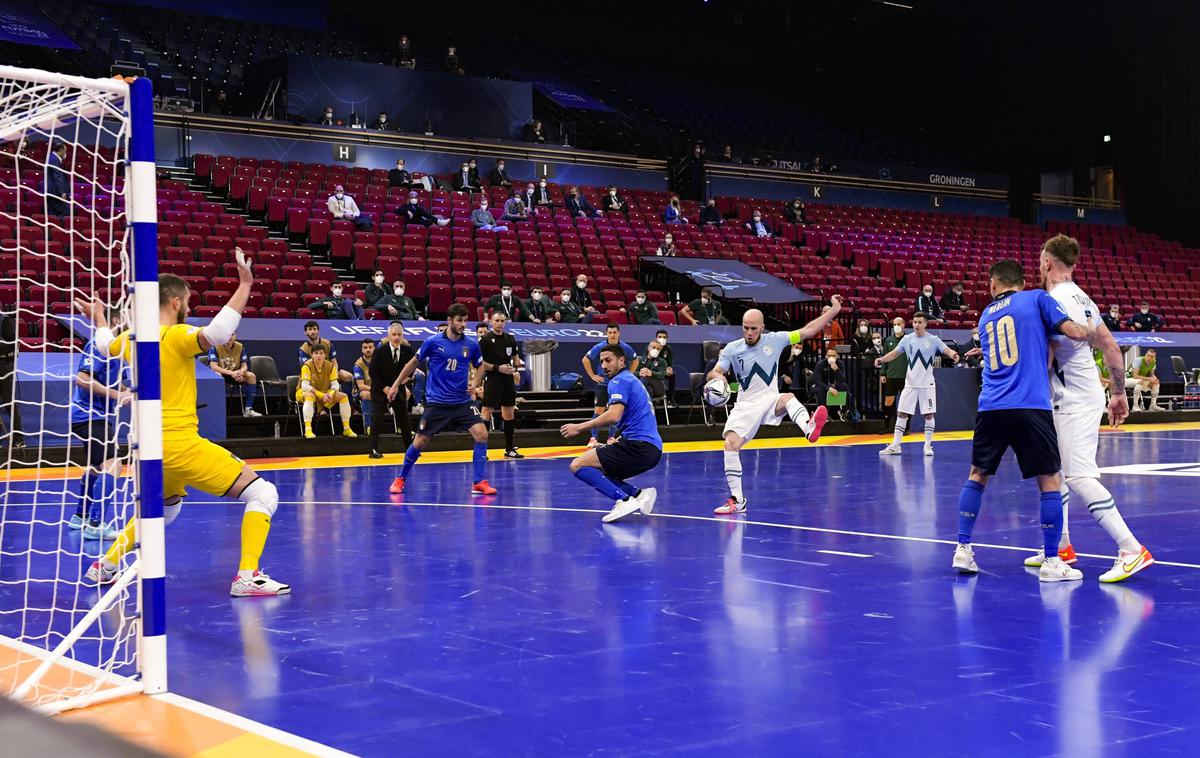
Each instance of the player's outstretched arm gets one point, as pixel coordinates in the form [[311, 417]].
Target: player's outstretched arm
[[1118, 404], [225, 323], [818, 324], [612, 414], [887, 357]]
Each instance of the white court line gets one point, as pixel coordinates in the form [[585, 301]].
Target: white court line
[[785, 584], [851, 555], [723, 520], [786, 560]]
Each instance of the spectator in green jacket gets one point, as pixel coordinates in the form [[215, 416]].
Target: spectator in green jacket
[[569, 311], [893, 375], [652, 370], [668, 355], [641, 310], [396, 304]]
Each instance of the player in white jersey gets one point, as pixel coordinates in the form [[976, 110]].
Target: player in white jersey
[[919, 395], [754, 361], [1078, 399]]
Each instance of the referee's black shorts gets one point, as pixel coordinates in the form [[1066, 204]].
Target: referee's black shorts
[[499, 390], [1028, 431]]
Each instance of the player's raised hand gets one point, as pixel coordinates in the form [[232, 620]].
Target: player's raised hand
[[245, 273], [1118, 409], [93, 308], [835, 303]]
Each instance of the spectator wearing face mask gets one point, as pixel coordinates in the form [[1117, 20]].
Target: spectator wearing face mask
[[399, 176], [343, 208], [1112, 319], [464, 181], [327, 118], [829, 381], [1144, 320], [529, 197], [641, 310], [499, 176], [504, 302], [953, 299], [376, 290], [338, 307], [710, 215], [539, 308], [515, 208], [893, 375], [381, 122], [703, 310], [861, 340], [791, 369], [578, 205], [541, 195], [398, 305], [758, 226], [974, 361], [794, 213], [652, 371], [473, 172], [452, 64], [673, 213], [581, 297], [927, 304], [667, 248], [534, 132], [568, 310], [613, 202], [415, 214], [668, 355], [726, 154], [483, 220]]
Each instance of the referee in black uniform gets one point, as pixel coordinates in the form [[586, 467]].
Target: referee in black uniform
[[500, 387], [392, 355]]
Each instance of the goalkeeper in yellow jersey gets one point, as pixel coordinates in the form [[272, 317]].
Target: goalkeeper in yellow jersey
[[188, 458]]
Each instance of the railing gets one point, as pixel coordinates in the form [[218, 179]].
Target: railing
[[841, 180], [1077, 202]]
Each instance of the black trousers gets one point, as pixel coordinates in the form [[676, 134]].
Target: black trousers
[[8, 402], [379, 406]]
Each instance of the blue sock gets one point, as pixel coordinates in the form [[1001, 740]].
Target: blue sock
[[595, 429], [366, 411], [249, 392], [1052, 521], [969, 501], [410, 458], [479, 459], [595, 478], [612, 432], [85, 492], [102, 489]]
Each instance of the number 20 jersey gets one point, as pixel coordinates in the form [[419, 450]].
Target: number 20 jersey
[[1014, 336]]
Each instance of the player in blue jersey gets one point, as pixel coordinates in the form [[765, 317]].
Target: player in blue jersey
[[450, 385], [754, 361], [1014, 409], [612, 336], [638, 449], [919, 394], [101, 389]]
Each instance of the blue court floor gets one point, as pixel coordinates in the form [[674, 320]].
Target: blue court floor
[[826, 622]]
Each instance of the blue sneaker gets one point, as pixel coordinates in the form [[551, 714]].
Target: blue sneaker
[[96, 530], [76, 522]]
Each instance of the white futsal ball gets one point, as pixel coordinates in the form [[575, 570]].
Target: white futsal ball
[[716, 392]]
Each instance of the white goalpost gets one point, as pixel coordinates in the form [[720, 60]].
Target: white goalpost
[[79, 225]]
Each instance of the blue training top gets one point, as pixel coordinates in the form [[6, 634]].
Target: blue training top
[[1014, 335], [108, 371], [448, 362], [593, 355], [637, 422]]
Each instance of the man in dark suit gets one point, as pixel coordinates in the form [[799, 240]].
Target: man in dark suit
[[578, 205], [415, 214], [392, 355], [58, 183], [463, 181], [499, 176], [399, 176], [381, 124]]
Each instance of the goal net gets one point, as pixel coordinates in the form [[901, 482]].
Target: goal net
[[80, 460]]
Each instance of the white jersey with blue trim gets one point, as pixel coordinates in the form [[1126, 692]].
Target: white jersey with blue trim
[[920, 352], [1074, 378], [756, 366]]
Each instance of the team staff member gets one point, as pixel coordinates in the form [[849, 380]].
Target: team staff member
[[392, 355], [893, 375], [362, 381], [500, 351]]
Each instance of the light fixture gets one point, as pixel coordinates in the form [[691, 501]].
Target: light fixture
[[1108, 138]]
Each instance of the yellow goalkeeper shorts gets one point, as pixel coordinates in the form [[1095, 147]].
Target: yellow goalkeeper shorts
[[198, 463]]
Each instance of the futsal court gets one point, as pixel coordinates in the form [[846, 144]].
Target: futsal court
[[827, 619]]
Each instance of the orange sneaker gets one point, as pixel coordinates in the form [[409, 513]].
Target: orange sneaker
[[1127, 564], [482, 488], [397, 486]]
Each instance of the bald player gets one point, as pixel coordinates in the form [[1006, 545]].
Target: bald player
[[754, 360]]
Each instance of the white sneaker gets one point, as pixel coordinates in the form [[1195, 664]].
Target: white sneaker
[[102, 532], [251, 413], [964, 560], [101, 574], [621, 509], [646, 499], [76, 522], [418, 409], [890, 450], [1036, 560], [258, 585], [929, 450], [1054, 570]]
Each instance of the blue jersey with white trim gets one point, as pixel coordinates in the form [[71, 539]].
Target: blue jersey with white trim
[[108, 371], [448, 362], [1014, 334], [637, 420]]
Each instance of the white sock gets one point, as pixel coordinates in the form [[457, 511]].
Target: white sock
[[899, 433], [1153, 396], [1066, 532], [733, 473], [344, 409], [929, 432], [1137, 397], [308, 411], [246, 574], [798, 414], [1103, 508]]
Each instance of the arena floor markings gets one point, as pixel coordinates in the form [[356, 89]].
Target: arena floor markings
[[827, 618]]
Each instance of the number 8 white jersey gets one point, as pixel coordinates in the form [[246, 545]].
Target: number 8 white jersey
[[1074, 379]]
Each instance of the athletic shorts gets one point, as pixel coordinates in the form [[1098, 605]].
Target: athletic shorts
[[917, 401], [892, 387], [601, 396], [197, 462], [1078, 438], [625, 458], [317, 398], [748, 414], [455, 418], [499, 390], [99, 438], [1030, 434]]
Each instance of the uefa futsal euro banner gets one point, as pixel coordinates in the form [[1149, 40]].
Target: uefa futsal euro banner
[[24, 24], [731, 279]]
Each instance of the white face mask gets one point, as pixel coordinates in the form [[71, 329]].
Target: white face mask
[[662, 340], [483, 206], [379, 279], [506, 293], [339, 195], [581, 283], [542, 184], [566, 298], [1145, 310], [878, 342], [831, 358], [898, 330], [795, 350], [704, 300], [412, 201], [537, 296], [863, 329], [641, 299], [337, 291], [399, 291], [612, 193], [653, 353], [928, 293]]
